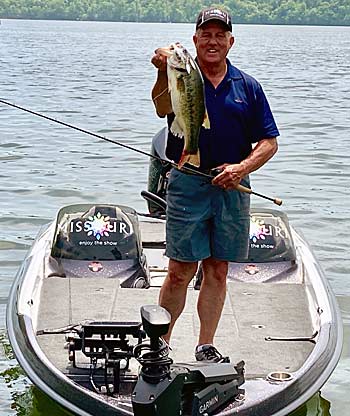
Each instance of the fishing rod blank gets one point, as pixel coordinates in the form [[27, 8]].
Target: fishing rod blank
[[101, 137], [240, 188]]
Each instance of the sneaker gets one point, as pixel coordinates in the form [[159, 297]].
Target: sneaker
[[208, 353]]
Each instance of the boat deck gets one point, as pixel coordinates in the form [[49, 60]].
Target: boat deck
[[252, 312]]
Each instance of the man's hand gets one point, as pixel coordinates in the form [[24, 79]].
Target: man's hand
[[230, 176], [159, 60], [160, 93]]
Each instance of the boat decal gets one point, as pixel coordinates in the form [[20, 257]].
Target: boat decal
[[259, 231], [99, 226]]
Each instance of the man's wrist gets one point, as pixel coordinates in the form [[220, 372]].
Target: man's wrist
[[245, 168]]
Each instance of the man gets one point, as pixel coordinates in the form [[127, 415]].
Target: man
[[209, 221]]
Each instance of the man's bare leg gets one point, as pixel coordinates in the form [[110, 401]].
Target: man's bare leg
[[211, 298], [172, 295]]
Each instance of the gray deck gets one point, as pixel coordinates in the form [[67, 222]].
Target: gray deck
[[152, 232], [252, 312]]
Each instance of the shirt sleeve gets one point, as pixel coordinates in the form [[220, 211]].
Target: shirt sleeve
[[263, 123]]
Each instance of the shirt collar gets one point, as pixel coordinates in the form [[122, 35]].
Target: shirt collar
[[232, 72]]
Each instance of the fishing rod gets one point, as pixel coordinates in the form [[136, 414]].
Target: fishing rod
[[240, 188]]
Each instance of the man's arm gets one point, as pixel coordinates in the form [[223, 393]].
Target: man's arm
[[231, 176], [261, 153], [160, 94]]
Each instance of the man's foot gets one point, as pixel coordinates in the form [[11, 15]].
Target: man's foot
[[208, 353]]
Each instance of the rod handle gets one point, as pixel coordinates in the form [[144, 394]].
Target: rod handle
[[242, 188]]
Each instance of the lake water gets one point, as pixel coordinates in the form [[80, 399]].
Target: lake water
[[98, 76]]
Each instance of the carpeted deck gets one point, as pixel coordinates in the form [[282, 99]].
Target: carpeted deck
[[252, 312]]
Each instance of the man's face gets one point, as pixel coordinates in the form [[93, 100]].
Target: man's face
[[213, 42]]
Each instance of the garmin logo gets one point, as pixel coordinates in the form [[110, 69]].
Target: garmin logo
[[208, 404]]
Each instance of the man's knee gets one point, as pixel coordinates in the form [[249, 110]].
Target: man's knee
[[181, 273], [215, 270]]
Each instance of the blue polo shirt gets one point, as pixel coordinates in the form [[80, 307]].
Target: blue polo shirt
[[239, 116]]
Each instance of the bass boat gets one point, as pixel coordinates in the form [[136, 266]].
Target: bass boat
[[85, 326]]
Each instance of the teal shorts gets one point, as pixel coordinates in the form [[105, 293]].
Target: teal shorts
[[204, 220]]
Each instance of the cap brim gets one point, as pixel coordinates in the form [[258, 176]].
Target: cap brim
[[212, 19]]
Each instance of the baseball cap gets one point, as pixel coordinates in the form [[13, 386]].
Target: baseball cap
[[214, 13]]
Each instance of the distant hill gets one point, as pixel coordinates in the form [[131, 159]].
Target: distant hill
[[294, 12]]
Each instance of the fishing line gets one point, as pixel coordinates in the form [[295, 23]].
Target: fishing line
[[103, 138], [240, 188]]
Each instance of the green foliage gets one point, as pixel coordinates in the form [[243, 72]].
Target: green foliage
[[306, 12], [5, 347]]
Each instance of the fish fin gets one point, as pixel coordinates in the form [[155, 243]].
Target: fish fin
[[176, 129], [206, 121], [192, 159]]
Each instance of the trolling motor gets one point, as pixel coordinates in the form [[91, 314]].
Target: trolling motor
[[161, 388], [188, 389]]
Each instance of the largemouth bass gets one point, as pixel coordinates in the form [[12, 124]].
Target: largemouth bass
[[186, 88]]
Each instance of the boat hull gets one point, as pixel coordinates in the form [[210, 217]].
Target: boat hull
[[260, 303]]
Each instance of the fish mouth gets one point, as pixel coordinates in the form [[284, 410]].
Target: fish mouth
[[169, 50], [178, 57], [166, 51]]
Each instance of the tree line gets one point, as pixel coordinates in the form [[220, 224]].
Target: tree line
[[303, 12]]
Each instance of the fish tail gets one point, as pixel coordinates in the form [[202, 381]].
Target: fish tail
[[192, 159]]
